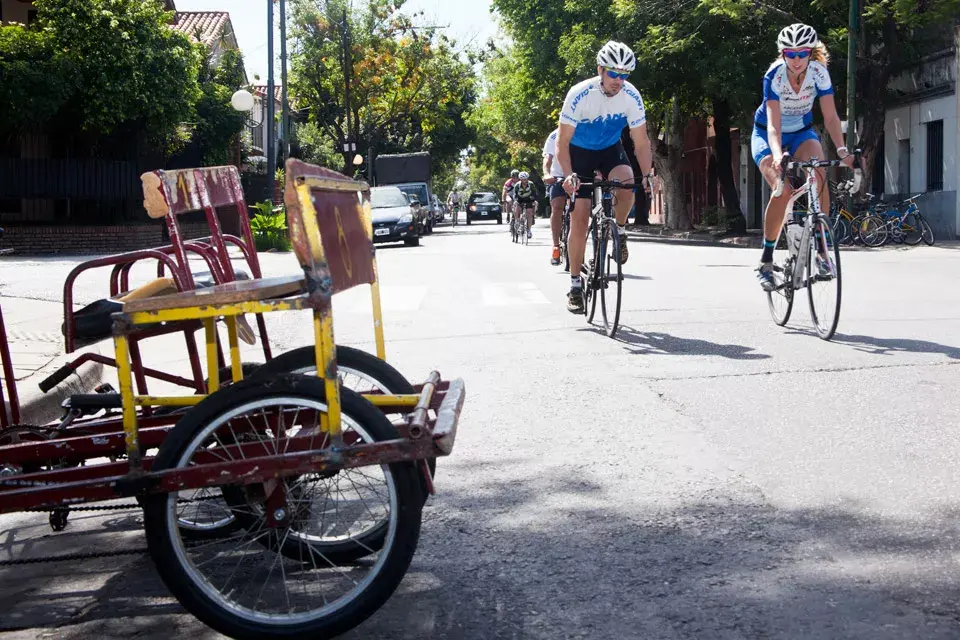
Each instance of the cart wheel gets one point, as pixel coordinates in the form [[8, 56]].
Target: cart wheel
[[291, 588], [358, 371], [204, 514]]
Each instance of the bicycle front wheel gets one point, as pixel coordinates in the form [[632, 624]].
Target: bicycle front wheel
[[780, 300], [611, 280], [911, 229], [823, 281], [591, 284], [926, 232]]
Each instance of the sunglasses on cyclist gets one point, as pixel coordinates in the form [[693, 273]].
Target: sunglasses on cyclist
[[798, 53], [613, 74]]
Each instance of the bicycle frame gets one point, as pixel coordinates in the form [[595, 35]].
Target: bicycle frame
[[806, 239]]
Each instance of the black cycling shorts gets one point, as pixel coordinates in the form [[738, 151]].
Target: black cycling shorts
[[586, 161], [528, 203], [556, 189]]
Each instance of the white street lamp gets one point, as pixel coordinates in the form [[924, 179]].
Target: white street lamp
[[242, 100]]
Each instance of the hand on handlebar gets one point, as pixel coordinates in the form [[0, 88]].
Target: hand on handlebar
[[781, 164], [570, 184]]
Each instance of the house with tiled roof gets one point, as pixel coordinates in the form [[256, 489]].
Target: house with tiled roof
[[83, 189]]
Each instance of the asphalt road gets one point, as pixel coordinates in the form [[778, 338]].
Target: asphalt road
[[706, 475]]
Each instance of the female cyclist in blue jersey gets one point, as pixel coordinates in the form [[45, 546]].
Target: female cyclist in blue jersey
[[783, 125]]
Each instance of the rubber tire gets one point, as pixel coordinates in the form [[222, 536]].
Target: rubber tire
[[164, 555], [500, 220], [304, 358], [788, 292], [598, 258], [912, 240], [925, 227], [827, 332], [613, 262]]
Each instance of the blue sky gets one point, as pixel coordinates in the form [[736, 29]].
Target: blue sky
[[468, 20]]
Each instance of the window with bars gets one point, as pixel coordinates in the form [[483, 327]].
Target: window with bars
[[935, 155]]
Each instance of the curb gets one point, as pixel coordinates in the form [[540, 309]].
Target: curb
[[691, 240], [38, 408]]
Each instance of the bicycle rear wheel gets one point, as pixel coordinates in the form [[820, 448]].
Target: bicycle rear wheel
[[780, 300], [564, 234], [611, 280], [926, 232], [873, 231], [823, 291]]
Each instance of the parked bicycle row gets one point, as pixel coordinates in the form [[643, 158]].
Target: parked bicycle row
[[874, 223]]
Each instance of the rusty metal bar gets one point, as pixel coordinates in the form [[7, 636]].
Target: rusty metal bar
[[250, 471], [126, 393], [8, 379], [418, 419], [448, 416]]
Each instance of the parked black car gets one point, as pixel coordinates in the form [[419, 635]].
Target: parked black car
[[483, 205], [395, 218]]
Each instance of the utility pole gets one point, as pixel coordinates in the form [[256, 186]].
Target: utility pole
[[285, 103], [271, 148], [347, 71], [851, 72], [852, 84]]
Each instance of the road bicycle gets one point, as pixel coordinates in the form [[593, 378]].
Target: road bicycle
[[901, 227], [603, 273], [807, 254]]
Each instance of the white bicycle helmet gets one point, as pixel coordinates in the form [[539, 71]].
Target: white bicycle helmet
[[616, 55], [524, 175], [797, 36]]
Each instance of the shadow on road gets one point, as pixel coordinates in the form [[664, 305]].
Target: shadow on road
[[888, 346], [657, 343], [557, 555]]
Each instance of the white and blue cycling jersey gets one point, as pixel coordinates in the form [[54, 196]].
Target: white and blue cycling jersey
[[550, 149], [598, 118], [796, 107]]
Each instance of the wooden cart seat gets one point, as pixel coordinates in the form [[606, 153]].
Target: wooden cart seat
[[230, 293]]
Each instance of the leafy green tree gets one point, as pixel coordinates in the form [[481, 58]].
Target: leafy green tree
[[218, 123], [36, 78], [409, 88], [128, 65]]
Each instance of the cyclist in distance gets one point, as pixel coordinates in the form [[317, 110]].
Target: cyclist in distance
[[505, 196], [783, 126], [525, 198]]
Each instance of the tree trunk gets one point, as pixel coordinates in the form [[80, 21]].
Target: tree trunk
[[668, 158], [724, 148]]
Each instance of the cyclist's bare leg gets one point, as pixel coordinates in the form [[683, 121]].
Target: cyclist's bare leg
[[776, 207], [530, 217], [623, 198], [579, 224]]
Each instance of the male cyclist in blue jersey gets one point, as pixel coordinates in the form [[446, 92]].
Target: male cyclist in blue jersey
[[783, 126], [593, 117]]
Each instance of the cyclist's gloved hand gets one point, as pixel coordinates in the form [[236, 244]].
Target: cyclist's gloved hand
[[571, 183]]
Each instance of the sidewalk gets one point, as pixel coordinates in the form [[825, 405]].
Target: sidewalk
[[710, 237], [37, 350]]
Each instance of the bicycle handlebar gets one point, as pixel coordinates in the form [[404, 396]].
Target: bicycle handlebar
[[786, 163]]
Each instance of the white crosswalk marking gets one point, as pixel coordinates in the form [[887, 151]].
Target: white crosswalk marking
[[392, 298], [509, 294]]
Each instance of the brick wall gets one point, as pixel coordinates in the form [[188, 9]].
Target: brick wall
[[86, 240]]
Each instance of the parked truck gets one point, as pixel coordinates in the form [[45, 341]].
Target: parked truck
[[410, 172]]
